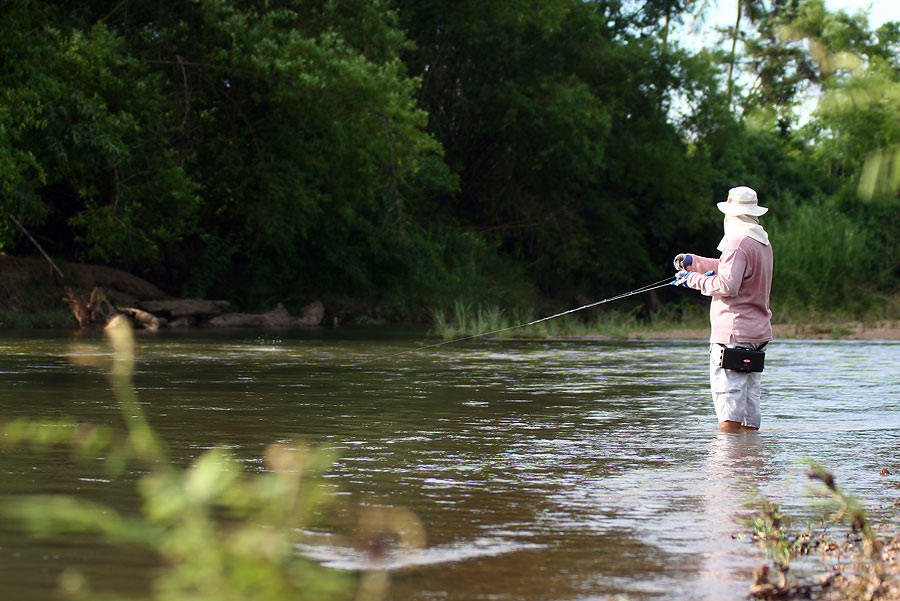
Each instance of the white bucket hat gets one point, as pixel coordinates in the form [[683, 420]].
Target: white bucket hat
[[743, 202]]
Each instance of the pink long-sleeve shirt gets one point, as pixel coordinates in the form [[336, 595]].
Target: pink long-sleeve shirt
[[739, 287]]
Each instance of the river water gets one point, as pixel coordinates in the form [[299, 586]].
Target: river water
[[539, 470]]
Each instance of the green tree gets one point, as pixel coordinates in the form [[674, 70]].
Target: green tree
[[83, 140], [261, 152], [554, 116], [833, 174], [855, 132], [753, 10]]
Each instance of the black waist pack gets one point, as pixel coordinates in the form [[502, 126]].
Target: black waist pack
[[741, 359]]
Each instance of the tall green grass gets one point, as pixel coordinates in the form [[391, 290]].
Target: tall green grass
[[464, 319], [823, 261]]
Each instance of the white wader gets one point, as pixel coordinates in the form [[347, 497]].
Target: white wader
[[735, 394]]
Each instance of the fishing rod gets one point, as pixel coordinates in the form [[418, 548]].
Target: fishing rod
[[647, 288]]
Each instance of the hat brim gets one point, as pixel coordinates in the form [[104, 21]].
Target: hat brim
[[730, 208]]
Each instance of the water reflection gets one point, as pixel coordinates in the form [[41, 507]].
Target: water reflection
[[737, 458], [737, 465]]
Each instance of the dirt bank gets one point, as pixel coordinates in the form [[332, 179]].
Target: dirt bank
[[34, 294], [851, 330], [31, 287]]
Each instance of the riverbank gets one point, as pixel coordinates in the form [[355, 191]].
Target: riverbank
[[37, 295], [847, 330], [848, 573], [861, 564], [31, 297]]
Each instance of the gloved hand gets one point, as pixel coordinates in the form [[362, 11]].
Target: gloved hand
[[682, 260], [681, 279]]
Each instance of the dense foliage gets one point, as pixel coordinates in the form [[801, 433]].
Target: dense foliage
[[403, 155]]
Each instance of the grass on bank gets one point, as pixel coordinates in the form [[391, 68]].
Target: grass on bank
[[868, 306], [464, 319]]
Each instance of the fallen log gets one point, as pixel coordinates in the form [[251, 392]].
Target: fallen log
[[186, 307], [143, 319], [310, 315]]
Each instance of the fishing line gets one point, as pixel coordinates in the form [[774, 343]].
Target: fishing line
[[654, 286]]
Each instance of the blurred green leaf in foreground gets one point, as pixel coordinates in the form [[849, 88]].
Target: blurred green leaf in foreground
[[221, 533]]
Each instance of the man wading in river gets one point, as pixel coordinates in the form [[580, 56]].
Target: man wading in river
[[739, 283]]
